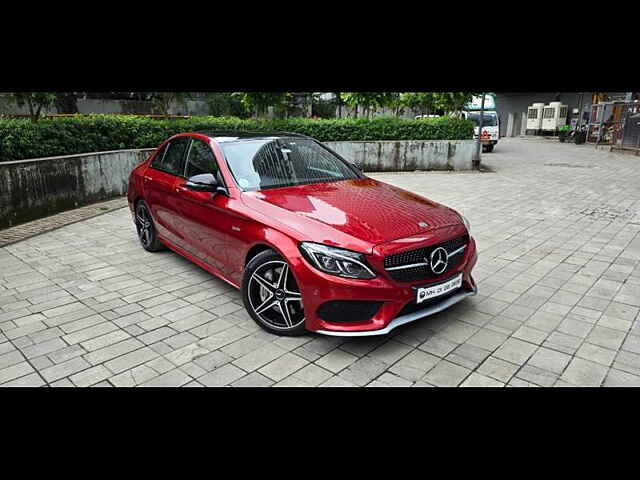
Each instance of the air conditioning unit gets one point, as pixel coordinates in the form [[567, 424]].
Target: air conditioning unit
[[534, 117], [554, 115]]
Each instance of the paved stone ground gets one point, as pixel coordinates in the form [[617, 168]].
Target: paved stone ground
[[559, 274], [36, 227]]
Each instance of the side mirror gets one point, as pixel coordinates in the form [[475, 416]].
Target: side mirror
[[205, 182]]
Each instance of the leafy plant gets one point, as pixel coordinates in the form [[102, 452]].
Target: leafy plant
[[367, 100], [162, 101], [259, 102], [423, 102], [20, 138], [222, 104]]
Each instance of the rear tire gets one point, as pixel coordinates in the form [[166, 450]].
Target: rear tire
[[271, 295], [146, 228]]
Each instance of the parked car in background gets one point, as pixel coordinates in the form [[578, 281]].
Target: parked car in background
[[311, 242]]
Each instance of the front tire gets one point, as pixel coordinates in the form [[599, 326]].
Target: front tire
[[271, 295], [489, 148]]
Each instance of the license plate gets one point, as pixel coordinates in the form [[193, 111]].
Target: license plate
[[427, 293]]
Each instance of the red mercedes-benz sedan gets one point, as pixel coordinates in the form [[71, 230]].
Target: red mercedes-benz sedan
[[311, 241]]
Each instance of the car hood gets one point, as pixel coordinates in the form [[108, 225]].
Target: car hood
[[365, 209]]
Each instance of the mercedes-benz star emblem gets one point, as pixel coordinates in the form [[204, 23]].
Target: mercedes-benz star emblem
[[439, 260]]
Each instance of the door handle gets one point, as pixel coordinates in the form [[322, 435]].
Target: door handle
[[180, 189], [147, 178]]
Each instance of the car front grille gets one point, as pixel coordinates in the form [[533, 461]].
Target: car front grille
[[422, 270]]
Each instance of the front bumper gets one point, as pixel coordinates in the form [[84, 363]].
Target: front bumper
[[409, 317], [318, 288]]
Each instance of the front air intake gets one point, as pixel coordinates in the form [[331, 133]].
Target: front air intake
[[345, 311]]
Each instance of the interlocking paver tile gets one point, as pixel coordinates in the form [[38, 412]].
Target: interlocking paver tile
[[537, 376], [438, 346], [336, 360], [585, 373], [10, 358], [487, 339], [606, 337], [363, 371], [446, 374], [222, 376], [312, 374], [390, 352], [90, 376], [390, 380], [130, 360], [550, 360], [498, 369], [414, 365], [254, 379], [31, 380], [617, 378], [112, 351], [478, 380], [64, 369], [259, 357], [173, 378], [515, 351], [597, 354]]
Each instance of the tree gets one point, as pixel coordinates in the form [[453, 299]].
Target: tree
[[453, 102], [423, 102], [259, 102], [66, 102], [368, 100], [36, 102], [396, 103], [339, 102], [162, 101], [223, 104]]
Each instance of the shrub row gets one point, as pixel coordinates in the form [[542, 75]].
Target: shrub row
[[21, 139]]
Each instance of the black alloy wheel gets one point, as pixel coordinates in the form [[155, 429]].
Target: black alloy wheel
[[146, 229], [271, 295]]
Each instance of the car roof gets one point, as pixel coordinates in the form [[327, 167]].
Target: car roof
[[222, 136]]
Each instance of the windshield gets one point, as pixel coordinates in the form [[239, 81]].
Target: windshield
[[283, 162], [488, 119]]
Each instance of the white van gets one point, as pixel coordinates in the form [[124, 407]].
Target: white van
[[490, 128]]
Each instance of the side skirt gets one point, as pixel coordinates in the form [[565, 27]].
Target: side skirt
[[204, 265]]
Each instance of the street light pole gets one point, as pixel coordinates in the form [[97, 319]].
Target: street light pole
[[476, 161]]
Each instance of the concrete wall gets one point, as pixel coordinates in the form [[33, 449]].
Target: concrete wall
[[388, 156], [31, 189]]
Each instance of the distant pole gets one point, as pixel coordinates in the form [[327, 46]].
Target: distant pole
[[579, 123], [476, 161]]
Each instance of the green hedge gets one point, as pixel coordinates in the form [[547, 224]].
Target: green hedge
[[21, 139]]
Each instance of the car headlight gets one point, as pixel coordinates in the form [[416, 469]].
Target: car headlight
[[336, 261], [466, 223]]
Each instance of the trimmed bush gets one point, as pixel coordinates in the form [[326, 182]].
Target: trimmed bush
[[22, 139]]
